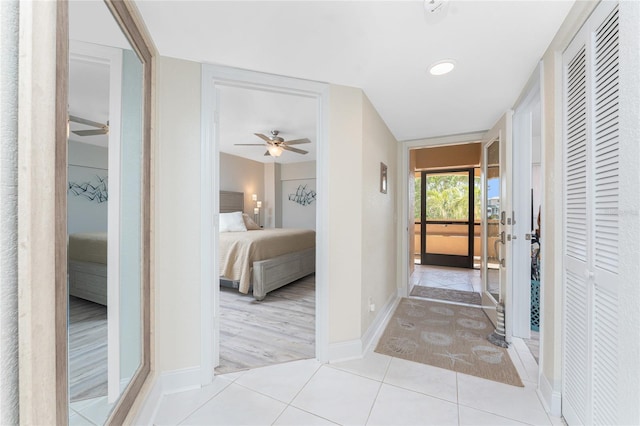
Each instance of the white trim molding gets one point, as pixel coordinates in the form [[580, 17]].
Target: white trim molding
[[357, 348], [167, 383], [213, 77], [403, 224], [550, 397]]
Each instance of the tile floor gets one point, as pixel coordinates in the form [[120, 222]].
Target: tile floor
[[374, 390], [444, 277]]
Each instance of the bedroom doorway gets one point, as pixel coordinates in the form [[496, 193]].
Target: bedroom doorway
[[272, 312]]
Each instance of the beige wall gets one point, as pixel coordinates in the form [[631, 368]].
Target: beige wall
[[444, 157], [243, 175], [177, 213], [353, 174], [378, 220], [345, 214]]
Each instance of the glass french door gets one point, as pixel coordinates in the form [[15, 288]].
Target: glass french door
[[447, 218], [498, 218]]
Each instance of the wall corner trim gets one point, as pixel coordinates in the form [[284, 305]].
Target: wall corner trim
[[357, 348], [551, 398], [164, 384]]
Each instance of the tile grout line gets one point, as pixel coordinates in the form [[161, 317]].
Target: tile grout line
[[204, 403], [289, 404]]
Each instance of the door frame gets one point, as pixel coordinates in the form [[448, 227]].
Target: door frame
[[503, 132], [405, 226], [214, 76], [522, 158], [456, 260]]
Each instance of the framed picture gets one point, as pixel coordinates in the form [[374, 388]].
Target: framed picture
[[383, 178]]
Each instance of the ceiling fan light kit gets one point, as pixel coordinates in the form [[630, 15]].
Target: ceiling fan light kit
[[276, 145], [275, 151]]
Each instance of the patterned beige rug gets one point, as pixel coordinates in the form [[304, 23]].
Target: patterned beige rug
[[447, 336], [469, 297]]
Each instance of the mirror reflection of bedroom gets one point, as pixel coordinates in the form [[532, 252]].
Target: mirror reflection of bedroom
[[103, 212], [267, 228]]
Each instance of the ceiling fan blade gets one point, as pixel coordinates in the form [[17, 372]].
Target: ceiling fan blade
[[296, 150], [90, 132], [263, 137], [248, 144], [85, 121], [297, 141]]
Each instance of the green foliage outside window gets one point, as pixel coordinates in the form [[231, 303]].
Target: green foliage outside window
[[447, 197]]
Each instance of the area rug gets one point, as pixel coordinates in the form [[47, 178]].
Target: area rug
[[447, 336], [458, 296]]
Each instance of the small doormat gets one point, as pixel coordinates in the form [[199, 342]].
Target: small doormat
[[447, 336], [469, 297]]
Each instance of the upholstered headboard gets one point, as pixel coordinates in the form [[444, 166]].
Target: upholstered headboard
[[231, 201]]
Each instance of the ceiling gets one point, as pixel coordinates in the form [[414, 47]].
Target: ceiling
[[244, 112], [383, 47]]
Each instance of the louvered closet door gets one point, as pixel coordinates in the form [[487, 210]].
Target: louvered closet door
[[591, 145]]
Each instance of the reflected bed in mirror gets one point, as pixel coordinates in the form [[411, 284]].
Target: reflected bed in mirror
[[108, 210]]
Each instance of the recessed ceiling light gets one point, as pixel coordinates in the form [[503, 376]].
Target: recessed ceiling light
[[442, 67]]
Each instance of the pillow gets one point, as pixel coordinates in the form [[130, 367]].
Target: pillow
[[232, 222], [249, 223]]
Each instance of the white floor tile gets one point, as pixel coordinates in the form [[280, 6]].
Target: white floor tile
[[341, 397], [177, 406], [423, 378], [281, 381], [472, 417], [513, 402], [236, 405], [295, 417], [396, 406], [373, 366]]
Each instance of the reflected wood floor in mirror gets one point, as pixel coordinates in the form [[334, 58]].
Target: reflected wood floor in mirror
[[87, 349], [281, 328]]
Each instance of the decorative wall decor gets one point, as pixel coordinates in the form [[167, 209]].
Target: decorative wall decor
[[94, 190], [303, 196], [383, 178]]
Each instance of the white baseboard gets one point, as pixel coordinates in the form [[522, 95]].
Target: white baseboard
[[551, 398], [164, 384], [344, 351], [353, 349], [376, 328]]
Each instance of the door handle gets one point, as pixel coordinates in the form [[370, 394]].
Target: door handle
[[495, 247]]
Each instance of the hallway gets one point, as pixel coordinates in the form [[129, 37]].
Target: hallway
[[375, 390]]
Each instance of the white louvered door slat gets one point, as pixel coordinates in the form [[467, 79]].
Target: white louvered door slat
[[606, 221], [576, 308], [591, 221]]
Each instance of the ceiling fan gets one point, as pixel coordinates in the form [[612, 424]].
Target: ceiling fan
[[101, 129], [276, 144]]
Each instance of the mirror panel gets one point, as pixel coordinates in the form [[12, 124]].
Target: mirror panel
[[108, 213], [491, 265]]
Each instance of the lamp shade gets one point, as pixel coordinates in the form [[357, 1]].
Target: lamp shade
[[275, 151]]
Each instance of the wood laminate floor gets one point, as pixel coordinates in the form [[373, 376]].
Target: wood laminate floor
[[87, 349], [279, 329]]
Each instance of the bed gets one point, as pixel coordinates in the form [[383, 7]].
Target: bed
[[88, 266], [263, 259]]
